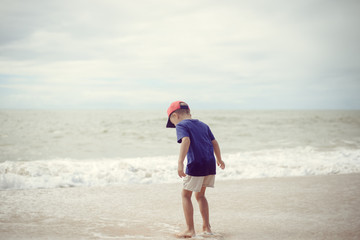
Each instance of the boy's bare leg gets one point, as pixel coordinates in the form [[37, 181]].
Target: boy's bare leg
[[188, 212], [204, 209]]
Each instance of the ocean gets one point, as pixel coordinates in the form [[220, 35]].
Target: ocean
[[48, 149]]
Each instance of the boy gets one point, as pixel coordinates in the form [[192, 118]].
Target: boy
[[199, 145]]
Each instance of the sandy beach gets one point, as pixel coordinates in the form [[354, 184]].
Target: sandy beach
[[315, 207]]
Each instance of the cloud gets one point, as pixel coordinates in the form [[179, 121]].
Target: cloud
[[248, 54]]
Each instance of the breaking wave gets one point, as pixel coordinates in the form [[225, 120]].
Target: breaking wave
[[57, 173]]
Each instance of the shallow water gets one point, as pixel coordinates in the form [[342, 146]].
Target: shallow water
[[318, 207]]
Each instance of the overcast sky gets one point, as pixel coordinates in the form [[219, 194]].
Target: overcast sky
[[279, 54]]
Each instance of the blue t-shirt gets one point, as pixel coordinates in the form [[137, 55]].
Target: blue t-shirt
[[200, 157]]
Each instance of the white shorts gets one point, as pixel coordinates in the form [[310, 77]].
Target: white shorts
[[195, 184]]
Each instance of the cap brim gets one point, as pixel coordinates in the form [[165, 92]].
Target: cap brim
[[170, 124]]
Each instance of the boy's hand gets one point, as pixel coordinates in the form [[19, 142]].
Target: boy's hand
[[181, 170], [221, 164]]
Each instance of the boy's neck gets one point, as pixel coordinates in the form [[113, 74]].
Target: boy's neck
[[184, 117]]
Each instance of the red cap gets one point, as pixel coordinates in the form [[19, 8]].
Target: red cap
[[173, 107]]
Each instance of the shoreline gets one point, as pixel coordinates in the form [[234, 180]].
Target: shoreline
[[307, 207]]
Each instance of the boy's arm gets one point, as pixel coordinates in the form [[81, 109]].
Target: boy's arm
[[184, 148], [217, 152]]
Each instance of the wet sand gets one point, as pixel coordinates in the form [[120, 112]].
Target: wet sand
[[315, 207]]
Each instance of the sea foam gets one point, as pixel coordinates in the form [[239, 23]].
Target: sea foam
[[59, 173]]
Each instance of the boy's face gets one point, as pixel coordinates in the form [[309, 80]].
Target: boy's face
[[174, 118]]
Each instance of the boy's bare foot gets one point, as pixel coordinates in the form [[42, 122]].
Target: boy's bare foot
[[207, 230], [186, 234], [206, 234]]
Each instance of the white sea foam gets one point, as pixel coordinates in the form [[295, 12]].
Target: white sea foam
[[290, 162], [147, 170]]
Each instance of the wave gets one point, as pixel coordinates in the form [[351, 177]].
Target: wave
[[59, 173]]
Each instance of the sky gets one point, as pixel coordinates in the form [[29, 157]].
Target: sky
[[140, 54]]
